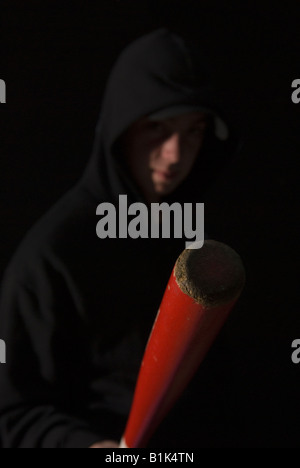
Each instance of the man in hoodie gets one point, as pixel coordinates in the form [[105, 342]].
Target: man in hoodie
[[76, 311]]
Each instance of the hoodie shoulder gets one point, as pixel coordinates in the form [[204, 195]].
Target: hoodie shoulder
[[58, 235]]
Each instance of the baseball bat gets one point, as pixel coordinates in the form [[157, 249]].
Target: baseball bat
[[204, 287]]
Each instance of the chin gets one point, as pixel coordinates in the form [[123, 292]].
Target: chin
[[163, 191]]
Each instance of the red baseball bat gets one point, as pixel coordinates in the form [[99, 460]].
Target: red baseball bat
[[203, 289]]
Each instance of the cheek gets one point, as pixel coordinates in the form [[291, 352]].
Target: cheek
[[197, 144], [137, 154], [191, 154], [144, 150], [140, 163]]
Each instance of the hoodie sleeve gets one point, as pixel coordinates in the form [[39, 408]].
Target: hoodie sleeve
[[43, 395]]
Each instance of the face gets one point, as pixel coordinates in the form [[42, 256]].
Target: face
[[161, 154]]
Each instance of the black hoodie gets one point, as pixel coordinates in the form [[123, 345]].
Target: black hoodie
[[75, 310]]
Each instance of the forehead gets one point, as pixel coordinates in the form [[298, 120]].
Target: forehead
[[179, 123], [183, 119]]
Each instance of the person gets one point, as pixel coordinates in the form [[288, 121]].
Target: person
[[76, 311]]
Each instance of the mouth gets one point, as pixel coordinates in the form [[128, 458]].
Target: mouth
[[165, 175]]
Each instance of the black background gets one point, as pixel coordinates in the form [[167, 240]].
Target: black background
[[55, 59]]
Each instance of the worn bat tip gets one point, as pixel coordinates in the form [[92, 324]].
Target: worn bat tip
[[212, 276]]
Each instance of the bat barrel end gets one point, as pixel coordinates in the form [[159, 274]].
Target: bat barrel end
[[212, 276]]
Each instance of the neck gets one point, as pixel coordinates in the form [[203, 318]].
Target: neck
[[152, 198]]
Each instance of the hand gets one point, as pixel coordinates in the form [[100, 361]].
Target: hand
[[106, 444]]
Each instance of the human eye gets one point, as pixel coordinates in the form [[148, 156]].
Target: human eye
[[197, 129], [156, 127], [155, 130]]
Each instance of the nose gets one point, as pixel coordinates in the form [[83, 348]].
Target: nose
[[171, 149]]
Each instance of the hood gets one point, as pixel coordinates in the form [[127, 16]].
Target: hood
[[156, 73]]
